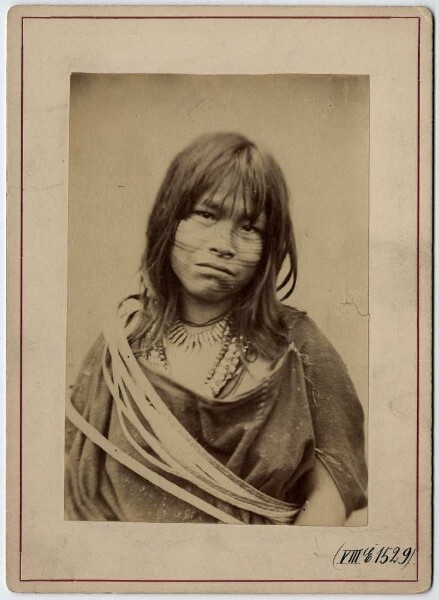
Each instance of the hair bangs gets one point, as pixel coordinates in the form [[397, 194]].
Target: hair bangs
[[240, 179]]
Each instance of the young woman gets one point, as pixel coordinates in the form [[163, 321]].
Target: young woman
[[207, 399]]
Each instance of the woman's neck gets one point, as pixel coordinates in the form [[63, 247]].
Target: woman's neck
[[199, 312]]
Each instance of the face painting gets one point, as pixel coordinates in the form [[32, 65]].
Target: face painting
[[217, 248]]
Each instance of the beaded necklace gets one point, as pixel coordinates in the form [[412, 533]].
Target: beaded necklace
[[228, 363], [217, 330]]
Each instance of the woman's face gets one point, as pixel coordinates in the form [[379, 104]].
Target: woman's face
[[217, 249]]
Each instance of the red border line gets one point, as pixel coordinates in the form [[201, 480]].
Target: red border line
[[21, 293], [223, 580], [417, 310], [96, 18], [418, 211]]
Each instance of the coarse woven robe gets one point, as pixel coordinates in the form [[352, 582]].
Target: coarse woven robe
[[269, 436]]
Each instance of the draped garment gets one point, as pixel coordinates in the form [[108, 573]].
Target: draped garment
[[270, 437]]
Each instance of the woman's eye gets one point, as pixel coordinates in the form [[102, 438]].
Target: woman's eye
[[204, 214], [248, 228]]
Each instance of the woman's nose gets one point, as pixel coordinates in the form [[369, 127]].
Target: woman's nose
[[221, 241]]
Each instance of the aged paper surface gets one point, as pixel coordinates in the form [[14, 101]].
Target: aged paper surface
[[344, 100]]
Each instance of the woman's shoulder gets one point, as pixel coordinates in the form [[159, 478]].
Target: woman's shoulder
[[129, 306], [301, 328], [93, 357], [308, 338]]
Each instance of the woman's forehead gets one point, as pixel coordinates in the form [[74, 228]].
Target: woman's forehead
[[231, 204]]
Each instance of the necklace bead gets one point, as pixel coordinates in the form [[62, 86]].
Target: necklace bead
[[228, 363]]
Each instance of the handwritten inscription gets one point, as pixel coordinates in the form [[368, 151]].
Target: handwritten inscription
[[374, 555]]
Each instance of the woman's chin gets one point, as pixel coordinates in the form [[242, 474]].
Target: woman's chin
[[211, 295]]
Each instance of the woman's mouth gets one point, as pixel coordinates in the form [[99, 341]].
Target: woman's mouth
[[216, 268]]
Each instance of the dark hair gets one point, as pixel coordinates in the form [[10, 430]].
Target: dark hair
[[201, 168]]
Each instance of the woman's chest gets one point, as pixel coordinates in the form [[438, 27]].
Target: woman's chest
[[271, 419], [216, 374]]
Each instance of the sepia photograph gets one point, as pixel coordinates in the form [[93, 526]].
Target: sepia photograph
[[219, 299], [218, 234]]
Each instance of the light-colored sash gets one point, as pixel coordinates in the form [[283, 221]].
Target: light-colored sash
[[176, 452]]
